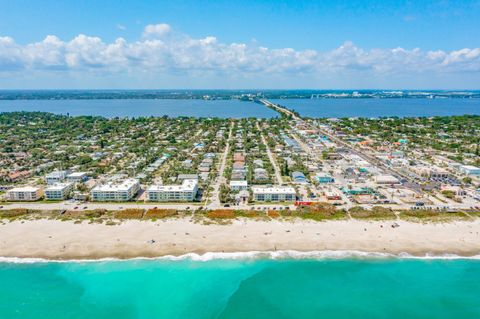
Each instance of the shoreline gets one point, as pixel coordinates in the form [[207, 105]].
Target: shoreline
[[54, 240], [253, 255]]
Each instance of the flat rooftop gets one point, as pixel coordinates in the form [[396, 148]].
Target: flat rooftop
[[273, 190], [24, 189], [58, 186], [188, 185], [124, 185], [77, 174]]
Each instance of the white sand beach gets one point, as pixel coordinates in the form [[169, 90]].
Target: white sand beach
[[55, 239]]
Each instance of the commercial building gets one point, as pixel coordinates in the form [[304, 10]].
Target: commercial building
[[273, 193], [324, 178], [116, 191], [27, 193], [58, 191], [386, 179], [333, 195], [56, 177], [185, 192], [238, 185]]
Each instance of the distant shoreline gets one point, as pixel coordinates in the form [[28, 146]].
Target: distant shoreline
[[227, 94]]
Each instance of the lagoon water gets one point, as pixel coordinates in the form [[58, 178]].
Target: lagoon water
[[242, 288], [142, 107], [346, 107], [357, 107]]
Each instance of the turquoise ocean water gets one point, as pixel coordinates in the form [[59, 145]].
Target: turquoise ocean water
[[242, 288]]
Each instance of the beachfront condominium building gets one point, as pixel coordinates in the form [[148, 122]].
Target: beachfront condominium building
[[274, 193], [27, 193], [186, 192], [59, 191], [116, 191]]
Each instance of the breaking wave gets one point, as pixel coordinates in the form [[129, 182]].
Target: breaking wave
[[253, 255]]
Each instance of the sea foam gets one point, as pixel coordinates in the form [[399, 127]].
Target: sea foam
[[253, 255]]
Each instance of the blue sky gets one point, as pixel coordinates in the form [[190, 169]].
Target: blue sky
[[239, 44]]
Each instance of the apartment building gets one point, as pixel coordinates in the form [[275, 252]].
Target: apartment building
[[77, 177], [186, 192], [273, 193], [56, 177], [238, 185], [59, 191], [116, 191], [26, 193]]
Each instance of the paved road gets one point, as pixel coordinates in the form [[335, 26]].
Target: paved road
[[339, 141], [278, 175], [214, 196], [68, 205]]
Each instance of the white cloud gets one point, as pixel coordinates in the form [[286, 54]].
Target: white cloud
[[157, 53], [156, 30]]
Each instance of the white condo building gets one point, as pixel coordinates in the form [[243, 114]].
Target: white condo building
[[56, 177], [185, 192], [117, 191], [273, 193], [58, 191], [27, 193], [77, 177], [238, 185]]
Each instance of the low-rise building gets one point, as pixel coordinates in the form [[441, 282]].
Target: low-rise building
[[470, 170], [56, 177], [299, 178], [116, 191], [386, 179], [77, 177], [26, 193], [273, 193], [456, 190], [58, 191], [238, 157], [185, 192], [238, 175], [17, 175], [260, 174], [332, 195], [182, 177], [238, 185], [324, 178]]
